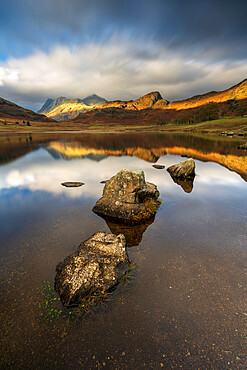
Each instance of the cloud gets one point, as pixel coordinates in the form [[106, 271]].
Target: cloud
[[120, 68], [119, 49], [189, 24]]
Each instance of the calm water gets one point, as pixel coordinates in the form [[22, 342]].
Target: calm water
[[186, 305]]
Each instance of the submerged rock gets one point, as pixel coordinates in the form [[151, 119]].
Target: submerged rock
[[243, 146], [72, 184], [158, 166], [183, 170], [97, 265], [127, 197]]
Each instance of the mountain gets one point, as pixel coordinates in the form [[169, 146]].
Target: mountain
[[236, 92], [155, 101], [51, 104], [152, 108], [63, 108], [12, 110], [151, 100], [93, 100]]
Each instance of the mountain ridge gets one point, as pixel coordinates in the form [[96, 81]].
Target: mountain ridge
[[63, 108]]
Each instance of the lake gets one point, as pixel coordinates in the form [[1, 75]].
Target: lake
[[185, 304]]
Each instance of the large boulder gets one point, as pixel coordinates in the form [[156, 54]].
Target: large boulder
[[183, 170], [127, 197], [97, 265]]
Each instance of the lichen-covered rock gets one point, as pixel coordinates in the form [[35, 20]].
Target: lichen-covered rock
[[97, 265], [183, 170], [128, 197]]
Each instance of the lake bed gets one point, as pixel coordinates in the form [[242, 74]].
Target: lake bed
[[185, 305]]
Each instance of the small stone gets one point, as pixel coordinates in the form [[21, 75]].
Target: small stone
[[243, 146], [183, 170], [158, 166], [72, 184]]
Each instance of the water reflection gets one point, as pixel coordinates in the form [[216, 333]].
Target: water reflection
[[186, 184], [133, 233], [70, 150], [178, 302], [39, 171]]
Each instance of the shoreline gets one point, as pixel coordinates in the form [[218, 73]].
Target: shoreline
[[213, 128]]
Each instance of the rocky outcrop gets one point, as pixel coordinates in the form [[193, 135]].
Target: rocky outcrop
[[97, 265], [150, 100], [243, 146], [63, 108], [183, 170], [127, 197]]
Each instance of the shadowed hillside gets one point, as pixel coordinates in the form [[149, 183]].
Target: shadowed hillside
[[12, 110]]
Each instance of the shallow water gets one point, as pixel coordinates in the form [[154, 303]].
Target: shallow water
[[186, 305]]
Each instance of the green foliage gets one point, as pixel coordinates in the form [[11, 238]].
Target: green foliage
[[53, 308], [28, 123], [50, 302], [129, 274]]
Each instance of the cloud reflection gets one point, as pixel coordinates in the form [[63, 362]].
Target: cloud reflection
[[39, 171]]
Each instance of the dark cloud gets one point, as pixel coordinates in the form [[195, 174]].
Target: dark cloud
[[191, 25], [120, 49]]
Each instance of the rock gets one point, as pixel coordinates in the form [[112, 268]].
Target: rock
[[96, 266], [72, 184], [103, 181], [127, 197], [158, 166], [243, 146], [183, 170]]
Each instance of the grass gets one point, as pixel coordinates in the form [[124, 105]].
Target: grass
[[214, 127], [52, 308]]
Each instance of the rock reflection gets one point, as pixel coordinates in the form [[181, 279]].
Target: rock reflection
[[186, 184], [133, 233]]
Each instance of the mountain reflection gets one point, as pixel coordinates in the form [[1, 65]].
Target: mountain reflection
[[77, 150]]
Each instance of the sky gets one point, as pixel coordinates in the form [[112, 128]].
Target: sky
[[120, 49]]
